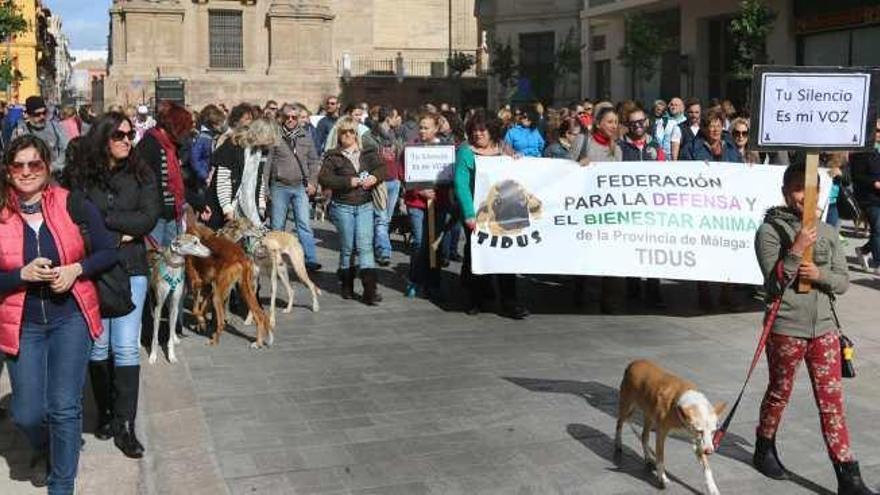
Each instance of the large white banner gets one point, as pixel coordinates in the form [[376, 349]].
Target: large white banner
[[673, 220]]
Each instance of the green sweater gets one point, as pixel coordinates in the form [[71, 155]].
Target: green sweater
[[465, 172], [800, 315]]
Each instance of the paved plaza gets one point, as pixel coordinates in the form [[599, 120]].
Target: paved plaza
[[409, 398]]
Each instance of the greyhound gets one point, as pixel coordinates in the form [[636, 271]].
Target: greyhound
[[166, 277]]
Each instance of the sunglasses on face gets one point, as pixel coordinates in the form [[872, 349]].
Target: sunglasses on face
[[35, 166], [637, 123], [740, 133], [291, 116], [120, 135]]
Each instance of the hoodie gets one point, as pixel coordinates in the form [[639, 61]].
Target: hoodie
[[800, 315]]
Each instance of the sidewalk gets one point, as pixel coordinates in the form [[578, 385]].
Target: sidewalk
[[409, 398]]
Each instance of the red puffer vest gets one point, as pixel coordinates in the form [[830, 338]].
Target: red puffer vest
[[71, 249]]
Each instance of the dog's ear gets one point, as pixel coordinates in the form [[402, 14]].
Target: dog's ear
[[720, 407], [684, 413]]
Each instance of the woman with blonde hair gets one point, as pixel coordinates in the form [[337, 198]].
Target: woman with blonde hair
[[351, 173], [70, 122], [239, 165]]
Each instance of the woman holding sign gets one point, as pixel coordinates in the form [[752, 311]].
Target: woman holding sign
[[804, 330], [484, 139], [422, 276], [352, 172]]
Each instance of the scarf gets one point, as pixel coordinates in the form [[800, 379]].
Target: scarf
[[290, 134], [175, 177], [602, 139]]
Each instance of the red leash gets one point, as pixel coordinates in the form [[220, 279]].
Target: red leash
[[769, 320]]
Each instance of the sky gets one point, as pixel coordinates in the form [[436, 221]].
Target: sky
[[86, 22]]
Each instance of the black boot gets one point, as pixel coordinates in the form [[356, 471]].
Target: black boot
[[346, 278], [766, 459], [40, 469], [100, 374], [371, 292], [127, 380], [849, 479]]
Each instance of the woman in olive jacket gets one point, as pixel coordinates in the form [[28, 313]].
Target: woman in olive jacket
[[804, 330], [352, 173], [126, 192]]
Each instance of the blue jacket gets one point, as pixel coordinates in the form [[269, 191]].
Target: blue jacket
[[202, 148], [525, 141], [699, 151]]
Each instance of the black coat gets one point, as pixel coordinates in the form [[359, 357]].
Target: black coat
[[865, 169], [129, 207]]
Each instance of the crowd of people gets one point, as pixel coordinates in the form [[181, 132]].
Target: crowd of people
[[132, 172]]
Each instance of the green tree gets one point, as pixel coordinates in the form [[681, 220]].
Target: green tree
[[460, 63], [645, 43], [503, 66], [568, 59], [749, 30], [11, 23]]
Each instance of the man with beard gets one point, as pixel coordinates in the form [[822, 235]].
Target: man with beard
[[37, 122]]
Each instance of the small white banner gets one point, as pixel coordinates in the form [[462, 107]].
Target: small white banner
[[672, 220], [814, 110], [427, 165]]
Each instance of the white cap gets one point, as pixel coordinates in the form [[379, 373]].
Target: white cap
[[143, 110]]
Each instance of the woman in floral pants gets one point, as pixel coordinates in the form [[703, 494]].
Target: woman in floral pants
[[804, 330]]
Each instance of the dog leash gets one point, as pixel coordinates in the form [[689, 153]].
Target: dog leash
[[769, 320]]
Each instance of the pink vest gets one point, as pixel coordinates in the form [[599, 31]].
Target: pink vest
[[71, 249]]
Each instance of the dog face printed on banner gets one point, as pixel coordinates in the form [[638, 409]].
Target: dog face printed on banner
[[508, 209]]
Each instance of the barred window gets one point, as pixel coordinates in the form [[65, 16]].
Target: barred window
[[225, 31]]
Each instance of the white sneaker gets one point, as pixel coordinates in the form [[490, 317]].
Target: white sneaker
[[863, 258]]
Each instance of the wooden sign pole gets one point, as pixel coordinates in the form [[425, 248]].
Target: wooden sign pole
[[432, 234], [811, 199]]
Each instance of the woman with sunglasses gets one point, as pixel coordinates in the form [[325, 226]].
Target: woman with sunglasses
[[351, 172], [125, 191], [49, 309], [739, 131]]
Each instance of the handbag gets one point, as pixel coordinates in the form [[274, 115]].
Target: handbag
[[114, 285], [847, 348]]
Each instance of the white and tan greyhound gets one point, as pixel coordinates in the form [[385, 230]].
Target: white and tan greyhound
[[166, 278]]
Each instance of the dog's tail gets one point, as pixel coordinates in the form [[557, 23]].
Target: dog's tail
[[249, 293]]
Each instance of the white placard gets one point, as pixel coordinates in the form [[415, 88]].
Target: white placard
[[814, 110], [672, 220], [314, 119], [429, 164]]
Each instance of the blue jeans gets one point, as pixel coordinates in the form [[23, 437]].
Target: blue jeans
[[123, 334], [420, 272], [833, 217], [285, 197], [873, 214], [165, 231], [47, 378], [383, 219], [449, 246], [355, 227]]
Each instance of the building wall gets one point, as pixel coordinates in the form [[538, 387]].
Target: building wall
[[292, 49], [506, 20], [23, 52]]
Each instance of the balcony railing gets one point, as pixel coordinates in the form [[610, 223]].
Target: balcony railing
[[396, 68]]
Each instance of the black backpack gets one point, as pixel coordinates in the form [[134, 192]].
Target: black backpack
[[114, 286]]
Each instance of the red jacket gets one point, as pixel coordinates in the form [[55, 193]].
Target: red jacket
[[71, 249]]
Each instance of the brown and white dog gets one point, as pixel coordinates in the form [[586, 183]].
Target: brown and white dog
[[668, 403]]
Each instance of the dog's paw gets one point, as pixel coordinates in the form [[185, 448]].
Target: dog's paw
[[287, 311], [153, 358], [316, 307], [664, 481], [175, 338], [250, 319], [256, 345], [172, 358], [270, 339]]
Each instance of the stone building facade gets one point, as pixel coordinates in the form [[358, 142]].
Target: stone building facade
[[287, 50]]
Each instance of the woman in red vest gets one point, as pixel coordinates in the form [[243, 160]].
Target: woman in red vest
[[48, 307]]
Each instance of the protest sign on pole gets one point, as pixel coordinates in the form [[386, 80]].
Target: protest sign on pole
[[429, 166], [814, 109], [673, 220]]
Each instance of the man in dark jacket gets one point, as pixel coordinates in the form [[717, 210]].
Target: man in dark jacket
[[293, 179], [687, 131], [639, 146], [331, 106], [865, 168]]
